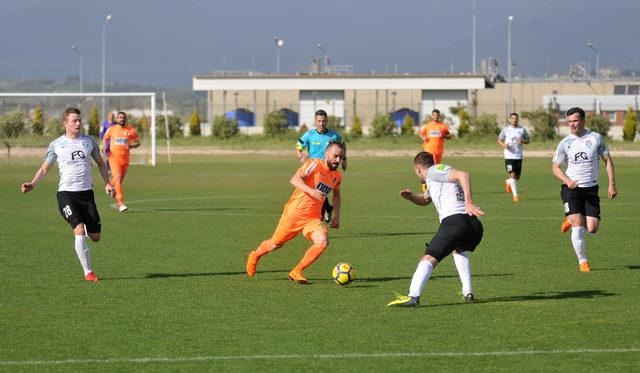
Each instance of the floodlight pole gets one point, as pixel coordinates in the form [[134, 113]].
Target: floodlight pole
[[473, 39], [104, 57], [279, 43], [509, 104], [80, 68], [590, 45]]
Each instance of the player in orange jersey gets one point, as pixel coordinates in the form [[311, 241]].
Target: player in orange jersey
[[122, 139], [433, 135], [313, 181]]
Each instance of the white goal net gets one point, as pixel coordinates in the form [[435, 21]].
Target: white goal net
[[30, 121]]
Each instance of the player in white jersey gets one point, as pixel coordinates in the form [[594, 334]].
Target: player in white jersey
[[580, 150], [511, 139], [460, 230], [75, 190]]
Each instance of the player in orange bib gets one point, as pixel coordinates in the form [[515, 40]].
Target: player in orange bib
[[433, 135], [122, 139], [313, 181]]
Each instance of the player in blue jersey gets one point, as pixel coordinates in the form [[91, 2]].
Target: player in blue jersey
[[316, 141]]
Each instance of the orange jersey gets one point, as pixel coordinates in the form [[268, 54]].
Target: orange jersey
[[317, 175], [121, 137], [434, 132]]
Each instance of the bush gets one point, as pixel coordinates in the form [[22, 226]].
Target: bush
[[302, 130], [13, 124], [175, 127], [194, 124], [630, 125], [356, 128], [224, 128], [485, 125], [54, 127], [598, 123], [463, 128], [37, 126], [407, 126], [382, 126], [275, 124], [94, 121], [544, 123]]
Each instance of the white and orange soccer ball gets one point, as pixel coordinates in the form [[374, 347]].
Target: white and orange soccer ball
[[343, 274]]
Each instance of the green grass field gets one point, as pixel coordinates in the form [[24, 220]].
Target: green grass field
[[174, 296]]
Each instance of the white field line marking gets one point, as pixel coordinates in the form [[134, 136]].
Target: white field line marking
[[143, 360]]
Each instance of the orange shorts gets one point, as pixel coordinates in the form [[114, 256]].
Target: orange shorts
[[118, 167], [291, 225]]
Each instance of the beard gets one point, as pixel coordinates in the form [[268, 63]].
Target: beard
[[333, 166]]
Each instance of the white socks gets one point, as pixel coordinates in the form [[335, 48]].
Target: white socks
[[82, 250], [464, 271], [577, 239], [420, 278], [513, 183]]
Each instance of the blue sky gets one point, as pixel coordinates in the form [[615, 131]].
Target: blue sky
[[166, 42]]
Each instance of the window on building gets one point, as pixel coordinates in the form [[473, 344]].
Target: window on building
[[633, 89], [611, 115], [619, 90]]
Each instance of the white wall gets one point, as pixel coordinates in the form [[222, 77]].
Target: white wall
[[442, 100], [330, 101]]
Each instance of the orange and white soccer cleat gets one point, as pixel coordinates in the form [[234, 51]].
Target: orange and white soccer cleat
[[564, 228], [507, 186], [91, 277], [584, 267]]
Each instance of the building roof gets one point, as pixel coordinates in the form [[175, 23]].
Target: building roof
[[340, 82]]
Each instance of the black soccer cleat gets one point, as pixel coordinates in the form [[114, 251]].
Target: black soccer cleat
[[327, 212], [469, 298]]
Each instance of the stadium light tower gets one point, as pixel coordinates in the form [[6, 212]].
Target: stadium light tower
[[473, 38], [104, 57], [509, 108], [81, 67], [279, 43], [590, 45], [327, 60]]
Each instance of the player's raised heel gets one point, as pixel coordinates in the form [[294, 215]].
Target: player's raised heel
[[564, 228], [584, 267], [297, 276], [91, 277], [516, 199], [252, 263]]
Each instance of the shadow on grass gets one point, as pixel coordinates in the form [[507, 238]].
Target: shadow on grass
[[152, 276], [385, 279], [382, 234], [549, 295]]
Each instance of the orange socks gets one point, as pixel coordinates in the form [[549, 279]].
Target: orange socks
[[310, 256], [264, 248]]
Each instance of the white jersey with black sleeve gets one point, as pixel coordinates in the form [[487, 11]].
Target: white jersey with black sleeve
[[74, 162], [581, 154], [447, 196], [510, 136]]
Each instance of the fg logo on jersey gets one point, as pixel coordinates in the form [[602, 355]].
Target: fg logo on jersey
[[581, 155], [77, 154]]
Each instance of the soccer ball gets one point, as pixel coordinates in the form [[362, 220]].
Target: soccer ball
[[343, 274]]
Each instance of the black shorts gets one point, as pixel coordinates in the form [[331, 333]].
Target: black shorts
[[513, 165], [583, 201], [457, 232], [79, 208]]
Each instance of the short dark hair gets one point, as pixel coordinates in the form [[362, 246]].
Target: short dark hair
[[69, 110], [424, 159], [435, 111], [321, 113], [578, 110], [123, 113], [516, 114]]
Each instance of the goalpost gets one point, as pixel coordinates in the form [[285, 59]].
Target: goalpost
[[23, 138]]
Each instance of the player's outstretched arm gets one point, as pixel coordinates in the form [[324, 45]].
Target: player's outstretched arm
[[418, 199], [104, 173], [612, 192], [464, 180], [37, 178]]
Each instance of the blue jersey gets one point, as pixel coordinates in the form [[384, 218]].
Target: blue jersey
[[317, 142]]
